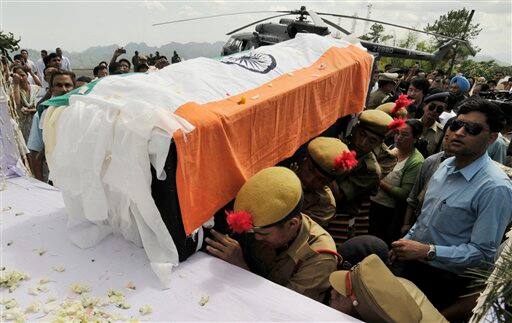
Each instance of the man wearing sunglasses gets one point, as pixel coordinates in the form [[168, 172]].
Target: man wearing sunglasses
[[433, 106], [466, 210]]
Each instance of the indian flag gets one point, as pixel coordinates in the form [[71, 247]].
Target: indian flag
[[229, 118]]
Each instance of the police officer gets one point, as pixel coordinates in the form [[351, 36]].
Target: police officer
[[387, 86], [326, 159], [278, 241], [369, 291], [351, 188], [434, 105]]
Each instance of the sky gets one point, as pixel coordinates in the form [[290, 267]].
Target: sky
[[77, 25]]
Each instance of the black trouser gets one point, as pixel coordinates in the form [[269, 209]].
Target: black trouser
[[386, 222], [381, 219], [441, 287]]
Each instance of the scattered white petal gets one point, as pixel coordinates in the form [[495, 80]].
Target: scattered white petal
[[10, 304], [33, 291], [4, 300], [40, 251], [10, 243], [290, 73], [204, 300], [50, 299], [33, 308], [123, 306], [7, 208], [51, 307], [19, 213], [270, 85], [59, 268], [44, 280], [12, 279], [14, 314], [315, 75], [256, 97], [145, 310], [42, 289], [80, 289]]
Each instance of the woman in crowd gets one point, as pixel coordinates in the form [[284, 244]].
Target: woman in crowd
[[388, 206], [25, 97]]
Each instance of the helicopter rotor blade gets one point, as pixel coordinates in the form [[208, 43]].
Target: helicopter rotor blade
[[394, 25], [317, 20], [335, 26], [215, 16], [258, 21]]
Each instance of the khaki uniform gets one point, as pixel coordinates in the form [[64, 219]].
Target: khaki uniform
[[319, 205], [352, 216], [377, 98], [385, 158], [361, 181], [433, 136], [304, 266]]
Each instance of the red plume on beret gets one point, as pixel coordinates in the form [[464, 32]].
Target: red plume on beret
[[345, 161], [240, 221], [396, 124], [401, 102]]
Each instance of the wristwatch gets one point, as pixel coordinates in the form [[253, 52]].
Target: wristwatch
[[431, 254]]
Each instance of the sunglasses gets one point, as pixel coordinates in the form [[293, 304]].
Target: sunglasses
[[439, 109], [473, 129]]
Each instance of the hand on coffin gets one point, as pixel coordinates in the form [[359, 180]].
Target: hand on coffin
[[226, 248]]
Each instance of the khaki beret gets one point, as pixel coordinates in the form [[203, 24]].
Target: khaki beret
[[388, 108], [391, 77], [376, 121], [377, 295], [327, 154], [269, 196]]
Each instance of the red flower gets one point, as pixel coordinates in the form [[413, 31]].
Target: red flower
[[345, 161], [240, 221], [396, 124], [401, 102]]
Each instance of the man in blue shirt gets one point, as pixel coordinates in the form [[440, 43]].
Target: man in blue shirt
[[61, 82], [467, 207]]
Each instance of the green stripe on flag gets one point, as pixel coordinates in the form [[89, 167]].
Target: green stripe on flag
[[63, 100]]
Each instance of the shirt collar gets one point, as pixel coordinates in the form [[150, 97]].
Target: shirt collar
[[300, 246], [434, 126], [470, 170]]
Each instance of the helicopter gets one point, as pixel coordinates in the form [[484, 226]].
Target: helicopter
[[271, 33]]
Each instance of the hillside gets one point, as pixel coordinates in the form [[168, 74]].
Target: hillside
[[93, 55]]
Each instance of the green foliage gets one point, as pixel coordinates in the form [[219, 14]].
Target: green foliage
[[376, 34], [8, 43], [453, 24], [486, 69], [411, 42], [498, 281]]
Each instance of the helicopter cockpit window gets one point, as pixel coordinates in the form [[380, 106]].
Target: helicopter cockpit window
[[235, 43]]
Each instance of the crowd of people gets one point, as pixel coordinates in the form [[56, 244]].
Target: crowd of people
[[381, 216], [51, 75]]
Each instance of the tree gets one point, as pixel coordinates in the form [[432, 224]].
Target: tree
[[486, 69], [8, 43], [376, 34], [453, 24]]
